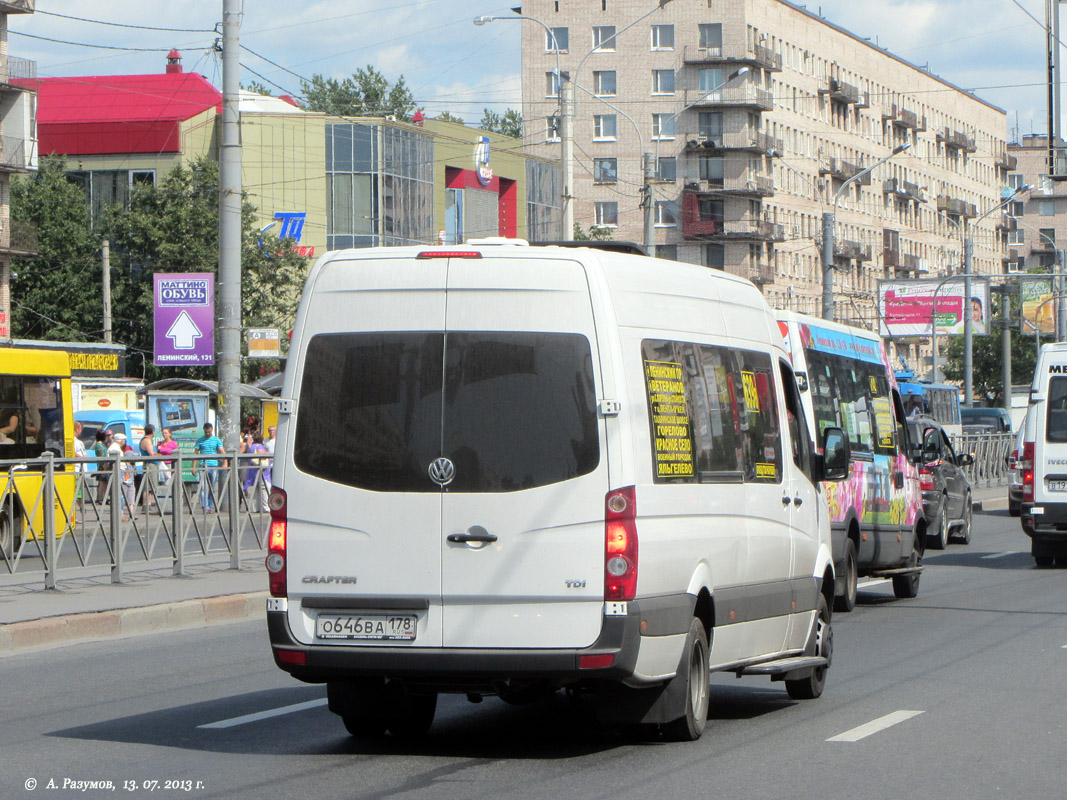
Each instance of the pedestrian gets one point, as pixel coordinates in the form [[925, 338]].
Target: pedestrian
[[255, 474], [209, 444], [146, 489], [103, 469], [118, 447], [79, 468], [268, 473], [165, 448]]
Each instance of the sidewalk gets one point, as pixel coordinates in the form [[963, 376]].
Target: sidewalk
[[152, 600]]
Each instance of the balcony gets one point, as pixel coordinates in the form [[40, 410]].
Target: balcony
[[903, 118], [1006, 223], [852, 250], [957, 140], [890, 258], [759, 56], [741, 96], [741, 183], [16, 154], [841, 92], [1042, 246], [761, 274], [841, 170], [905, 190], [1004, 159], [750, 140], [16, 6], [751, 230], [20, 239], [956, 208], [15, 69]]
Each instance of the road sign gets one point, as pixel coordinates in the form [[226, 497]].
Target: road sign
[[184, 306], [264, 343]]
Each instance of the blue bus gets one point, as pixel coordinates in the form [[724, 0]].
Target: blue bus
[[938, 400]]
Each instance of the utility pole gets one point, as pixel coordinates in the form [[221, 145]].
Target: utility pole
[[229, 299], [968, 325], [1005, 345], [648, 203], [566, 132], [106, 268]]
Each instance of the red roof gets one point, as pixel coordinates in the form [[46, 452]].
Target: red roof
[[119, 113]]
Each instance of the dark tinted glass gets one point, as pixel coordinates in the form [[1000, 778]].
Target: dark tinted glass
[[370, 410], [1056, 429], [520, 410]]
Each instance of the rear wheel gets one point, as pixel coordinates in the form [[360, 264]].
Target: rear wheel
[[413, 718], [1044, 561], [369, 708], [8, 540], [690, 726], [907, 585], [938, 539], [811, 687], [963, 535], [847, 601]]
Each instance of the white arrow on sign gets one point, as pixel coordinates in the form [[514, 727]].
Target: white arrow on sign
[[184, 332]]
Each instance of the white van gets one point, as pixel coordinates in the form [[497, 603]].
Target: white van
[[506, 469], [1043, 462]]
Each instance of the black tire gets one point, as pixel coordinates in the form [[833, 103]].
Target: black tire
[[696, 676], [812, 686], [847, 601], [1061, 560], [1044, 561], [963, 533], [9, 542], [939, 538], [363, 726], [415, 719], [1015, 508], [907, 586]]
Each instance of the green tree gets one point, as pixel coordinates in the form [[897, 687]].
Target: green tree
[[986, 361], [595, 233], [172, 226], [258, 88], [446, 116], [509, 123], [57, 293], [366, 93]]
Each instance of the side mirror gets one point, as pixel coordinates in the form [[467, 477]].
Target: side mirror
[[964, 459], [836, 455]]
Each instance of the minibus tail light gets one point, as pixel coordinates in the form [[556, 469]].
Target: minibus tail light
[[1026, 464], [620, 545], [276, 545]]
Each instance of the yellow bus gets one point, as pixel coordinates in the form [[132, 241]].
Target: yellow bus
[[36, 416]]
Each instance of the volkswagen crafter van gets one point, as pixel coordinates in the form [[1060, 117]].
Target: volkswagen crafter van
[[506, 469], [1043, 461]]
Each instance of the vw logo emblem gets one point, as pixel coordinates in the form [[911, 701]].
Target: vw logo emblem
[[442, 471]]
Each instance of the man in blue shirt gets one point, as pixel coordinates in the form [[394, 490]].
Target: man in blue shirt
[[209, 444]]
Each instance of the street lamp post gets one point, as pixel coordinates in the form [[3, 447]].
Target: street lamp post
[[968, 317], [829, 221], [933, 311]]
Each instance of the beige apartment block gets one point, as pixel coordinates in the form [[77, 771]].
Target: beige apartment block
[[18, 153], [1039, 217], [748, 163]]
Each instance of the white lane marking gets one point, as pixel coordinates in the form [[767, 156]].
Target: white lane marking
[[1005, 554], [274, 712], [873, 582], [874, 726]]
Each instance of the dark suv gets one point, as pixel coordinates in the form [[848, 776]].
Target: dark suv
[[945, 489]]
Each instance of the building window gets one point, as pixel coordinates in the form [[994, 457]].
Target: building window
[[666, 213], [551, 84], [604, 126], [711, 170], [604, 38], [604, 82], [1048, 236], [662, 37], [553, 128], [663, 81], [1017, 236], [713, 255], [1015, 180], [557, 41], [667, 169], [711, 80], [605, 170], [1016, 208], [607, 214], [710, 123], [663, 126], [1046, 208], [711, 37]]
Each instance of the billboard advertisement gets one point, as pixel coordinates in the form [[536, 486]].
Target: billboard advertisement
[[1038, 305], [184, 315], [906, 308]]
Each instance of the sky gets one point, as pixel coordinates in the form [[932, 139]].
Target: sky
[[990, 46]]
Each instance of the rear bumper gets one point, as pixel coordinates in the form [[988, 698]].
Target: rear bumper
[[1045, 521], [620, 637]]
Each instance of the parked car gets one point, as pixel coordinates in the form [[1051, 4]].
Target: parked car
[[986, 420], [129, 423], [1015, 486], [945, 489]]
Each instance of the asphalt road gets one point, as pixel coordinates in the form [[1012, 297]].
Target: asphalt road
[[958, 693]]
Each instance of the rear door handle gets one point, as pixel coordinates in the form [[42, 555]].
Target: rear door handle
[[785, 500], [466, 538], [798, 501]]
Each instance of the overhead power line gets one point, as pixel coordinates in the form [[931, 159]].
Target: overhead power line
[[125, 25], [94, 46]]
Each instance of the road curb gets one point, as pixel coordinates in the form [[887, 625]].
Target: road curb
[[51, 631]]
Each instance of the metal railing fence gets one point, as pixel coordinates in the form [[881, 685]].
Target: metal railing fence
[[58, 515], [990, 450]]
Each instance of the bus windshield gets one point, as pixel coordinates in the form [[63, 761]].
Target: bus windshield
[[31, 416]]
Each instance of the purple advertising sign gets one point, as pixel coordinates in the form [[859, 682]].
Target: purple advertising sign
[[184, 319]]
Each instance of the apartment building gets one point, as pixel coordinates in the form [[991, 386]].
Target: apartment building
[[1039, 217], [757, 113], [18, 153]]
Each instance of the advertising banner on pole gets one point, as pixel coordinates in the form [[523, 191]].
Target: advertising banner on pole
[[1038, 304], [184, 306], [906, 308]]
